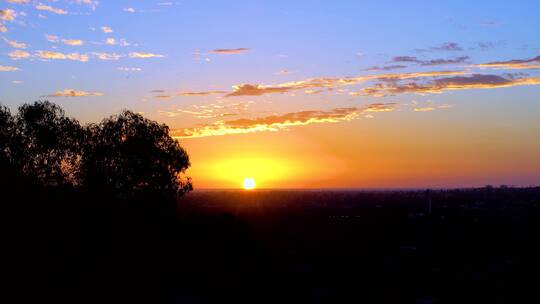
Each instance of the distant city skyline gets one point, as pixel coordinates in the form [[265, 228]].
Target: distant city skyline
[[298, 94]]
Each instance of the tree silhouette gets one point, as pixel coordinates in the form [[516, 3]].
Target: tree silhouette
[[46, 144], [130, 155], [125, 156], [7, 129]]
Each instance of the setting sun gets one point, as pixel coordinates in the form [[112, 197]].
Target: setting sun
[[249, 183]]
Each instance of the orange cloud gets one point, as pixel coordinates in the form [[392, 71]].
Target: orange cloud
[[51, 9], [75, 42], [7, 14], [106, 29], [229, 51], [18, 54], [257, 90], [61, 56], [278, 122], [516, 64], [74, 93], [4, 68]]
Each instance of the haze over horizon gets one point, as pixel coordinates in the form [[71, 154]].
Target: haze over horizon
[[303, 94]]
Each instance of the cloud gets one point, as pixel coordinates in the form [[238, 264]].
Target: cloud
[[484, 46], [163, 96], [126, 69], [278, 122], [51, 9], [445, 47], [74, 93], [106, 29], [4, 68], [3, 28], [432, 108], [18, 54], [129, 10], [144, 55], [107, 56], [110, 41], [201, 93], [229, 51], [385, 68], [92, 3], [17, 81], [257, 89], [15, 44], [516, 64], [61, 56], [52, 38], [75, 42], [474, 81], [19, 1], [7, 14], [424, 109], [431, 62]]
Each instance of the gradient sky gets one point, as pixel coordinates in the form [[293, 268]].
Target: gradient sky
[[298, 93]]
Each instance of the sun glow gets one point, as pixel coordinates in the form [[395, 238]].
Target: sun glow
[[249, 183]]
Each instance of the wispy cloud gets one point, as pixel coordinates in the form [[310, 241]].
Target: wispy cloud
[[18, 54], [313, 83], [128, 69], [4, 68], [279, 122], [107, 56], [75, 42], [229, 51], [385, 68], [15, 44], [106, 29], [515, 64], [51, 9], [48, 55], [474, 81], [201, 93], [445, 47], [145, 55], [431, 62], [52, 38], [74, 93], [92, 3], [7, 14]]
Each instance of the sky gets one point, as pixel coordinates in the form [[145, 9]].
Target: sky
[[298, 94]]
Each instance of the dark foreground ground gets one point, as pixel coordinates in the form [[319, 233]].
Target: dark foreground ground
[[476, 246]]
